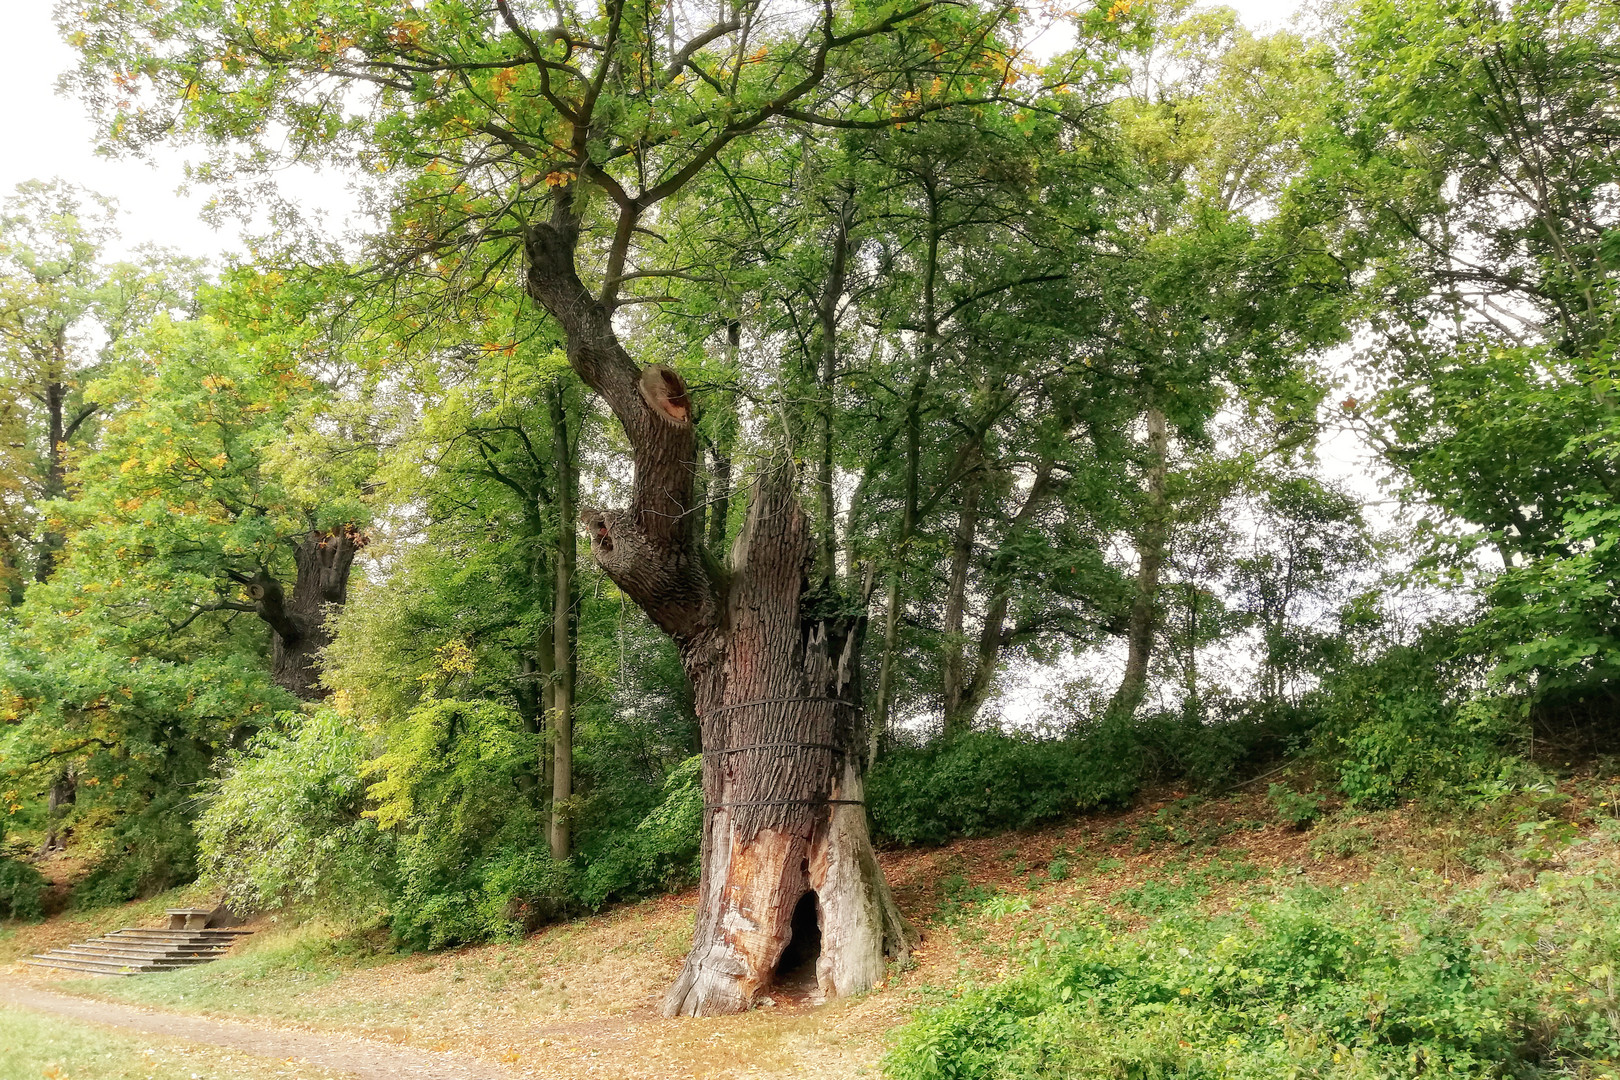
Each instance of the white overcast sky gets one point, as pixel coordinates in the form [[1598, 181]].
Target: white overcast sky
[[45, 135]]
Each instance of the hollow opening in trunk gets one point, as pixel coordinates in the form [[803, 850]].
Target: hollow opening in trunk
[[796, 970]]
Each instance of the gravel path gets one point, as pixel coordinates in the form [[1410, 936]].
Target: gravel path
[[362, 1058]]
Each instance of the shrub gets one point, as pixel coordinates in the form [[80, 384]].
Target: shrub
[[284, 825], [660, 853], [22, 890], [1306, 982], [1296, 809], [987, 782], [143, 853], [1407, 724], [459, 789]]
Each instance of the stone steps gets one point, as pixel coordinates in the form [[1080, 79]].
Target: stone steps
[[135, 951], [92, 950]]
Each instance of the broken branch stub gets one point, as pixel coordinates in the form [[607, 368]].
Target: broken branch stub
[[663, 389]]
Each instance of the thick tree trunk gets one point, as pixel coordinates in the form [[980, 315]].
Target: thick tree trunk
[[784, 807], [298, 622], [775, 683], [1151, 541]]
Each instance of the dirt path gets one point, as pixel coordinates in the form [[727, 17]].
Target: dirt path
[[363, 1058]]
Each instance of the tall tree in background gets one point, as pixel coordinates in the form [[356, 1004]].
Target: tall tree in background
[[63, 310], [1231, 280], [194, 490], [562, 143], [1480, 147]]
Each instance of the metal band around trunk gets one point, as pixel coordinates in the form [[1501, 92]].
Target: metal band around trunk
[[788, 802], [768, 745], [778, 700]]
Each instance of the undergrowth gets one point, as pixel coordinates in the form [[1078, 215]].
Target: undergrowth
[[1404, 976]]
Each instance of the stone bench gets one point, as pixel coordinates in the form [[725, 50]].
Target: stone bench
[[189, 918]]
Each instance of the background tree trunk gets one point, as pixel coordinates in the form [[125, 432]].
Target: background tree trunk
[[64, 792], [994, 634], [953, 671], [298, 622], [1151, 541], [563, 630], [908, 519], [54, 484]]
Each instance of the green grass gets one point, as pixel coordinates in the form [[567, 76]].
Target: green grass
[[36, 1047]]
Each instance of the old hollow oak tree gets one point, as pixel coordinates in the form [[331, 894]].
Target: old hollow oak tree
[[540, 143]]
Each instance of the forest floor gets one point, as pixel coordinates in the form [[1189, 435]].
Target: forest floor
[[578, 1000]]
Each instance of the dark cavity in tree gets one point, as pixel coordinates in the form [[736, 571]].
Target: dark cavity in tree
[[796, 970]]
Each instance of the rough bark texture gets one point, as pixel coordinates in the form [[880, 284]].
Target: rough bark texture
[[1150, 552], [785, 812], [774, 670], [298, 621]]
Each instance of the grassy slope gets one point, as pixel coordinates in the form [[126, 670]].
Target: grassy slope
[[577, 999]]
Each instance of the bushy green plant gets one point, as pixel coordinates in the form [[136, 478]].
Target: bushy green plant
[[22, 890], [1414, 722], [1294, 808], [987, 782], [1207, 744], [661, 852], [283, 823], [143, 853], [458, 787], [1304, 982]]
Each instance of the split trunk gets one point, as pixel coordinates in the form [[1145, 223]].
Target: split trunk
[[298, 621], [775, 673]]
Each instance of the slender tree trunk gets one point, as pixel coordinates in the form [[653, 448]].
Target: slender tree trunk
[[64, 792], [885, 690], [1192, 643], [298, 622], [1151, 541], [55, 480], [908, 519], [545, 653], [953, 670], [994, 634], [718, 493], [563, 631], [827, 317], [774, 686]]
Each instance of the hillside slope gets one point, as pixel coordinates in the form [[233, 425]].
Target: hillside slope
[[578, 999]]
